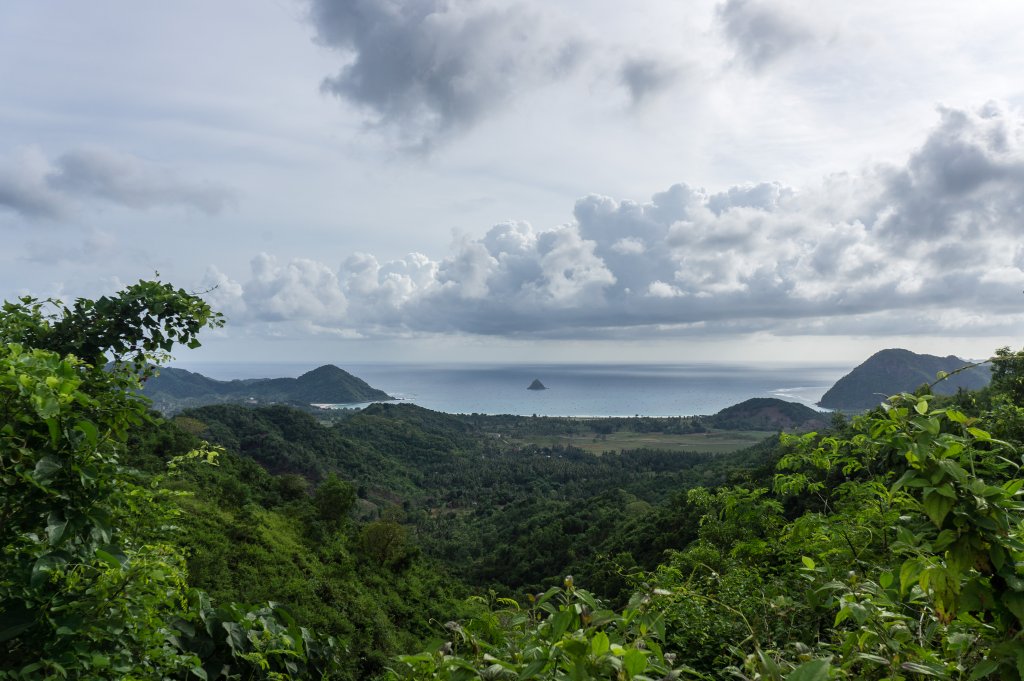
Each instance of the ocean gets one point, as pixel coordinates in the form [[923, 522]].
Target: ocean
[[572, 389]]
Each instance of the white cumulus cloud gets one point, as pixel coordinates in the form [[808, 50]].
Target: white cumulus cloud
[[926, 246]]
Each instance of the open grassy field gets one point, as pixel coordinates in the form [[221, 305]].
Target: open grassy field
[[721, 441]]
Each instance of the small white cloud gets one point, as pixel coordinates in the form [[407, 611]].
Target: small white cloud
[[629, 246], [224, 294], [659, 289]]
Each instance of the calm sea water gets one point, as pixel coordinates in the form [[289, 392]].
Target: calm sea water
[[573, 389]]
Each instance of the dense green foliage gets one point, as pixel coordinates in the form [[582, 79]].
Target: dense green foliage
[[137, 326], [92, 580], [78, 595], [497, 514], [254, 537], [564, 633], [889, 547]]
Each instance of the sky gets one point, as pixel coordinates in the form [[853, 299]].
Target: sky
[[488, 180]]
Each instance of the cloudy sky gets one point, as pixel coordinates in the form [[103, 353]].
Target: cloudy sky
[[517, 179]]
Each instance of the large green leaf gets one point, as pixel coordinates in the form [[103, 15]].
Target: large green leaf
[[560, 623], [56, 524], [909, 573], [815, 670], [1014, 602], [634, 662], [983, 669], [42, 568], [925, 669], [46, 468], [937, 507], [531, 670]]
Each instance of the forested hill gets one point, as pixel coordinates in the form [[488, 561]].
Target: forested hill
[[174, 389], [498, 511], [893, 371], [768, 413]]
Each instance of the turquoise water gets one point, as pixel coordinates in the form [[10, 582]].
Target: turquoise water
[[573, 389]]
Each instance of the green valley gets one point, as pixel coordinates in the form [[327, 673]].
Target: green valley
[[395, 542]]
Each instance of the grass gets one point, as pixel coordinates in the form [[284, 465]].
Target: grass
[[718, 442]]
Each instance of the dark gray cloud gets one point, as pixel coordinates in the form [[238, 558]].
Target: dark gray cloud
[[94, 246], [761, 31], [923, 247], [646, 77], [426, 68], [35, 187], [967, 180], [28, 199], [133, 182], [24, 189]]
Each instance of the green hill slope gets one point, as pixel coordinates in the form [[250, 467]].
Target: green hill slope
[[768, 413]]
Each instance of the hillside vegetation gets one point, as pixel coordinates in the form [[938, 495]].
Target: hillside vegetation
[[479, 504], [767, 413], [401, 543]]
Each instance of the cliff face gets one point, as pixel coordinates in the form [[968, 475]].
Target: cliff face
[[893, 371]]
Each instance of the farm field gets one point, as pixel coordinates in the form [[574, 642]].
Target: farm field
[[719, 442]]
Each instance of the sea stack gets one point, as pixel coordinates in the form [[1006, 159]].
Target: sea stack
[[537, 385]]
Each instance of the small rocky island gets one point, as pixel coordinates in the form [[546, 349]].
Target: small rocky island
[[537, 385]]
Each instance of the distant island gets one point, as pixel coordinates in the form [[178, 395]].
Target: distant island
[[176, 389], [537, 385], [889, 372]]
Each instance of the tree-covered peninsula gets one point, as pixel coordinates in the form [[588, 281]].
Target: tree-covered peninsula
[[172, 390]]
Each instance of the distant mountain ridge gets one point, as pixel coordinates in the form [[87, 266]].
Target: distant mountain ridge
[[895, 370], [328, 384]]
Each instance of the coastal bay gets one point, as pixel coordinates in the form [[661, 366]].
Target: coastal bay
[[573, 389]]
